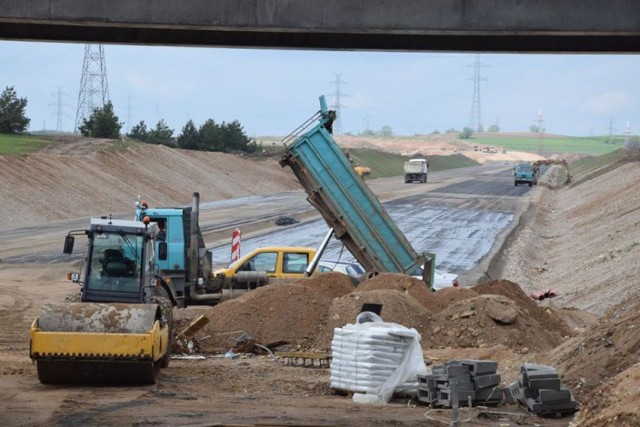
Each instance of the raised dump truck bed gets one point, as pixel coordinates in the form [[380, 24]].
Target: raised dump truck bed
[[345, 202]]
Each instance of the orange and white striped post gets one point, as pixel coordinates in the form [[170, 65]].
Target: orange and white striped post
[[235, 245]]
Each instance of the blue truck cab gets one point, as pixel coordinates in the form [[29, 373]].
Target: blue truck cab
[[523, 174], [171, 254]]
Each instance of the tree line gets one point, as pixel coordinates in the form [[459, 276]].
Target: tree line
[[104, 123], [210, 136]]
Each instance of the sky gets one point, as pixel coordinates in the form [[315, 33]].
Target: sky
[[271, 92]]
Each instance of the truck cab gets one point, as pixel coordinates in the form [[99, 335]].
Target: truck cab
[[171, 242], [523, 174], [415, 170]]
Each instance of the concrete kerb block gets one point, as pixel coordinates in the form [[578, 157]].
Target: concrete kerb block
[[544, 383], [458, 371], [556, 408], [486, 381], [553, 396], [529, 367], [480, 367], [526, 377], [513, 392], [463, 395], [490, 396], [461, 385]]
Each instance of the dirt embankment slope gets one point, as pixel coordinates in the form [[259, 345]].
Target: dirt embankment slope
[[89, 177], [80, 177]]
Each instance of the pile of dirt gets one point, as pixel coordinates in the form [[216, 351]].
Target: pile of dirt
[[549, 320], [401, 283], [488, 320], [331, 285], [615, 404], [446, 297], [288, 313], [305, 314], [603, 351], [434, 302], [397, 307]]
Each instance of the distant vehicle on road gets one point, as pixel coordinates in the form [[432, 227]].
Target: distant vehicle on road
[[348, 268], [415, 170], [523, 174]]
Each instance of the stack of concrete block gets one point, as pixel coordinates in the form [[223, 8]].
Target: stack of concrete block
[[475, 379], [540, 389]]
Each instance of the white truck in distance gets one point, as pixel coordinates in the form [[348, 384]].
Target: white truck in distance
[[415, 170]]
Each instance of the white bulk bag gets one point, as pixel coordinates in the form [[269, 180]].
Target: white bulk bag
[[376, 358]]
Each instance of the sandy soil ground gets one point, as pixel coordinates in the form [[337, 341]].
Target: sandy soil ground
[[582, 241]]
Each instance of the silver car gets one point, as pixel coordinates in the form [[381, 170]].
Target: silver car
[[348, 268]]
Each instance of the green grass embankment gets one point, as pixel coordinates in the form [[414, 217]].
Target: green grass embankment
[[385, 164], [20, 144], [592, 146]]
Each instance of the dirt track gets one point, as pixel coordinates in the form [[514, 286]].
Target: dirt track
[[580, 241]]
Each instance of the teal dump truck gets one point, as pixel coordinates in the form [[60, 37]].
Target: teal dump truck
[[346, 203], [523, 173]]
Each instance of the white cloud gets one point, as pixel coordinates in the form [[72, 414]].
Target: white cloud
[[612, 101]]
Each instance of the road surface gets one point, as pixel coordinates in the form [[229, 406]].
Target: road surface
[[458, 215]]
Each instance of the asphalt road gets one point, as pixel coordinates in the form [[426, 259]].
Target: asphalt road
[[459, 214]]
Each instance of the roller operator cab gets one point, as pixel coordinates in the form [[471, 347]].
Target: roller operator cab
[[121, 261]]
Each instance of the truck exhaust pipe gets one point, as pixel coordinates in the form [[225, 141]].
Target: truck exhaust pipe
[[192, 254]]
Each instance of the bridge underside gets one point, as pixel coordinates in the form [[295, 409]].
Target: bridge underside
[[548, 43], [559, 26]]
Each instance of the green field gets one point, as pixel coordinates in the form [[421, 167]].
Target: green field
[[385, 164], [592, 146], [20, 144]]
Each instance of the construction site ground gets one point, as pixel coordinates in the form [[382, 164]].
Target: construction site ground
[[581, 241]]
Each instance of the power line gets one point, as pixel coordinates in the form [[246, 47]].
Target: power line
[[540, 121], [337, 102], [92, 83], [627, 135], [59, 113], [475, 117], [610, 129]]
